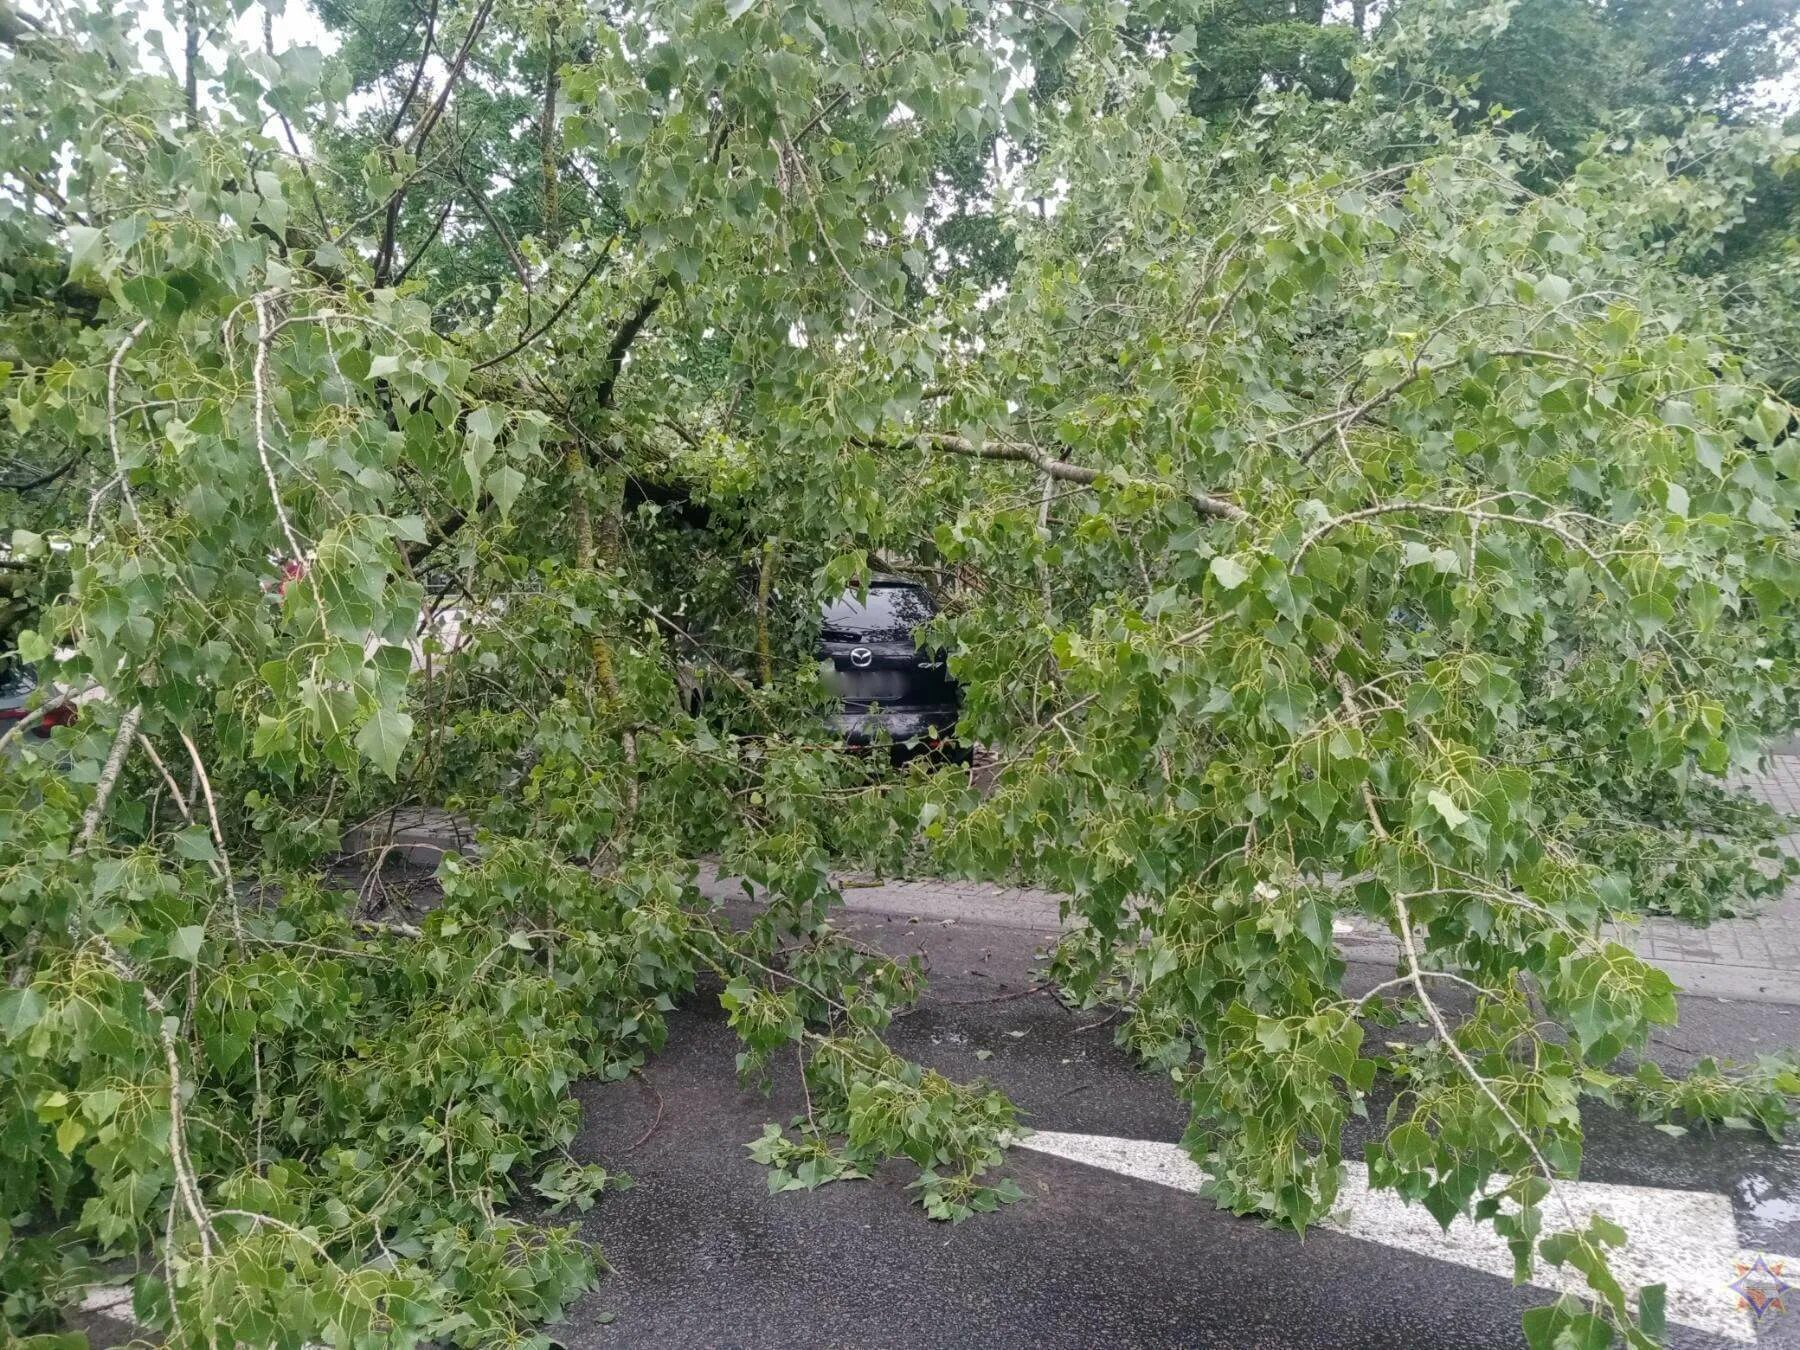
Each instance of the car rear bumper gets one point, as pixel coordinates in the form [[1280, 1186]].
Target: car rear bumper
[[894, 724]]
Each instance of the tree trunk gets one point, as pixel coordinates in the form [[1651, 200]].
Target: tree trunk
[[583, 514], [612, 518]]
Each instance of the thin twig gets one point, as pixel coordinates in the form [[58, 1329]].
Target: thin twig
[[279, 1225], [429, 122], [167, 777], [405, 930], [992, 998], [112, 417], [500, 231], [644, 1138], [179, 1161], [212, 811], [417, 75], [425, 246], [259, 376], [1463, 1061], [35, 718], [1474, 513], [1407, 979]]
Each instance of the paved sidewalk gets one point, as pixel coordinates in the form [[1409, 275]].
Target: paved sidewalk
[[1755, 958]]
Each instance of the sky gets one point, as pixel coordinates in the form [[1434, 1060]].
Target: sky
[[1783, 95], [296, 24]]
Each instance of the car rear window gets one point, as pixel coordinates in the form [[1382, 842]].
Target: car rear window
[[888, 609]]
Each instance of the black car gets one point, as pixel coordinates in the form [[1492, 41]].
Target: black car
[[891, 687]]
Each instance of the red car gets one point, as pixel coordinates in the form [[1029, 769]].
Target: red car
[[18, 682]]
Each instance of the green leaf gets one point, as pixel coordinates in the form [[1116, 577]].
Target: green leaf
[[196, 842], [85, 249], [1553, 289], [505, 484], [1651, 612], [484, 423], [1653, 1309], [1446, 807], [1606, 1232], [185, 943], [147, 295], [70, 1134], [1411, 1146], [1272, 1035], [20, 1010], [101, 1104], [1565, 1325], [383, 737], [34, 647], [1228, 572]]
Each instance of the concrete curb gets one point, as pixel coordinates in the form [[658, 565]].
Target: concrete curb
[[1039, 912], [1705, 979], [1748, 984]]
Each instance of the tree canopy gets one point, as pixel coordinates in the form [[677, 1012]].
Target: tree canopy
[[1353, 459]]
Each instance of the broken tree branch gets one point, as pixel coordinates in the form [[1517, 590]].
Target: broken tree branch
[[949, 444]]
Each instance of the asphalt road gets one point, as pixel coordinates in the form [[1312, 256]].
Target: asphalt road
[[704, 1256]]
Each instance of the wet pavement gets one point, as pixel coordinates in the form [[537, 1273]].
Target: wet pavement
[[706, 1257]]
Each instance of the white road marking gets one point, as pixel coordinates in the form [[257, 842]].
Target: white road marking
[[104, 1298], [1685, 1240], [114, 1301]]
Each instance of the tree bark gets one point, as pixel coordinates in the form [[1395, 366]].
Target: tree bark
[[611, 540], [583, 514]]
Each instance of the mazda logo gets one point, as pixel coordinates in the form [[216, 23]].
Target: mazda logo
[[860, 657]]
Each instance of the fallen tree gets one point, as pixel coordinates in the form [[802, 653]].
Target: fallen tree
[[1332, 517]]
